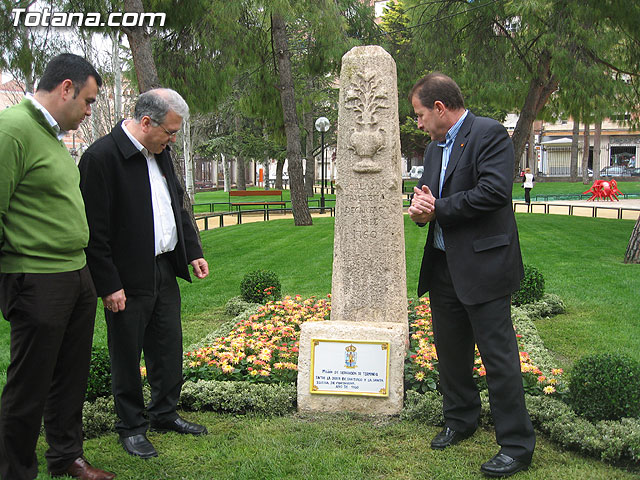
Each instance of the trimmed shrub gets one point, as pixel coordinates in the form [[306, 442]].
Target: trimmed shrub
[[531, 287], [99, 383], [548, 306], [610, 441], [605, 387], [260, 286], [98, 417], [426, 407], [236, 305], [239, 397]]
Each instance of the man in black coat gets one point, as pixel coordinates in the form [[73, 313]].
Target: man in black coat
[[471, 265], [141, 238]]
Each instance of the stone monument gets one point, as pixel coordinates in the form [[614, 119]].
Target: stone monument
[[355, 361]]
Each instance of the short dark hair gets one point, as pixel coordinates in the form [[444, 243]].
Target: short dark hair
[[68, 66], [438, 86]]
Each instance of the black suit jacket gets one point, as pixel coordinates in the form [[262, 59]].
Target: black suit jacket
[[114, 180], [475, 213]]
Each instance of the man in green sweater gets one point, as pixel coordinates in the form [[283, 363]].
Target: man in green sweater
[[46, 291]]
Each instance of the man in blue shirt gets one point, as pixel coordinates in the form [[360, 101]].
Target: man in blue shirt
[[471, 265]]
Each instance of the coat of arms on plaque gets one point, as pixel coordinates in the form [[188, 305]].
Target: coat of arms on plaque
[[350, 356]]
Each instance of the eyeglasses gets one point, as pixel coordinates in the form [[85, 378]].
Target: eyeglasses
[[171, 134]]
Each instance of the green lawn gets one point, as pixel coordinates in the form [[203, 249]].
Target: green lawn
[[221, 198], [581, 259], [328, 448]]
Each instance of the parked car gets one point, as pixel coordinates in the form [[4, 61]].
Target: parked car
[[615, 171], [416, 171]]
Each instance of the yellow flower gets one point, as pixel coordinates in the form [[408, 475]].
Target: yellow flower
[[226, 368], [548, 390]]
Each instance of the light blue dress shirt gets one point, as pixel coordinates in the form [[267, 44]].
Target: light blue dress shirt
[[447, 146]]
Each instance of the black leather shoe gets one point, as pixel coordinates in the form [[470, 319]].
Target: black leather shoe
[[448, 437], [138, 446], [179, 425], [503, 465]]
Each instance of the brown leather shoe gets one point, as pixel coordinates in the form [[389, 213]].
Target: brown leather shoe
[[83, 470]]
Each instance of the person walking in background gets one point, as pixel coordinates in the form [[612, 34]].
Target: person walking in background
[[46, 292], [527, 184], [471, 265], [141, 238]]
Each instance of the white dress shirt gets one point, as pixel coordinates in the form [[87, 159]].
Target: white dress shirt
[[164, 222]]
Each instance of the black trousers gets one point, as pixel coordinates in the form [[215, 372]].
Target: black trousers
[[457, 329], [527, 195], [150, 324], [52, 317]]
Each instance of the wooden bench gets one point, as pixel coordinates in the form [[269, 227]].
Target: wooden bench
[[256, 193]]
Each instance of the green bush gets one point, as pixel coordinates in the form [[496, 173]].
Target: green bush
[[260, 286], [236, 305], [98, 417], [605, 387], [548, 306], [99, 383], [531, 287], [239, 397], [610, 441]]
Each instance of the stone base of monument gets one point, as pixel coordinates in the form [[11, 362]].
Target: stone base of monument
[[355, 367]]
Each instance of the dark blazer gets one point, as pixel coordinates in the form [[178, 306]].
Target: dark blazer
[[114, 180], [475, 213]]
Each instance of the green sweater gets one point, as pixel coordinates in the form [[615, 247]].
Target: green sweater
[[43, 227]]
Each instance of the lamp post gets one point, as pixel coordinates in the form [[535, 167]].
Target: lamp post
[[322, 125]]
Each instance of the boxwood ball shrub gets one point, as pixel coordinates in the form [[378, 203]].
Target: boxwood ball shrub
[[605, 386], [99, 383], [260, 286], [531, 287]]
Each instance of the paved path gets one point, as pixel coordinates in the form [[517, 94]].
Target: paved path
[[581, 208]]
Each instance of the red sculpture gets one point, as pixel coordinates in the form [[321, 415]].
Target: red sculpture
[[604, 189]]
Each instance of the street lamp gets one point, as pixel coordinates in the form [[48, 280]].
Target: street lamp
[[322, 125]]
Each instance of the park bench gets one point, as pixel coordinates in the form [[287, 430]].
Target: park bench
[[237, 203]]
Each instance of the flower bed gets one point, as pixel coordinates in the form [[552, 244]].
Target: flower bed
[[264, 348], [421, 367], [261, 348]]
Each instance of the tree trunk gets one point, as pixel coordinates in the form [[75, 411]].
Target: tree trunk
[[299, 204], [540, 89], [575, 140], [117, 75], [310, 162], [226, 174], [531, 153], [279, 169], [633, 249], [188, 160], [585, 155], [241, 181], [141, 50], [597, 137]]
